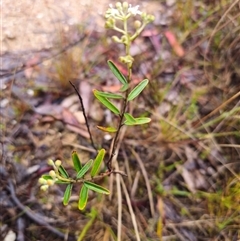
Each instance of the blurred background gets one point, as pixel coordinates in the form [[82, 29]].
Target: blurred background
[[183, 168]]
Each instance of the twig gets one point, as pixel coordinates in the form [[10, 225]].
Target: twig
[[33, 216], [20, 227], [84, 114]]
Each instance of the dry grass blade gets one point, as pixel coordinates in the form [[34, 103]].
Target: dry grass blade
[[134, 221], [217, 109], [216, 29], [135, 184], [119, 191], [80, 147], [119, 197], [150, 196]]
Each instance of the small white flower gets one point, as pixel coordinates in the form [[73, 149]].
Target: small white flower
[[112, 12], [134, 10]]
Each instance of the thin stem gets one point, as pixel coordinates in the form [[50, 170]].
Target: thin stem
[[127, 36], [138, 32], [59, 177], [124, 106], [109, 162], [84, 114], [118, 30]]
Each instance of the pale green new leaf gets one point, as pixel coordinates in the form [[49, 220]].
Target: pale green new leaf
[[129, 118], [107, 129], [47, 177], [137, 90], [83, 197], [84, 169], [63, 172], [76, 161], [94, 187], [97, 162], [117, 72], [109, 95], [138, 121], [67, 194], [106, 102]]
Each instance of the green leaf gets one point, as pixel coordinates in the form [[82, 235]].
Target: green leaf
[[97, 162], [63, 172], [138, 121], [110, 95], [124, 87], [106, 102], [107, 129], [84, 169], [67, 194], [137, 90], [47, 177], [76, 161], [117, 72], [61, 182], [83, 197], [96, 188], [129, 118]]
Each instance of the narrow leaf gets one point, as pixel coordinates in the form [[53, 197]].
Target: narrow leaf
[[107, 129], [63, 172], [84, 169], [83, 197], [76, 161], [110, 95], [124, 87], [94, 187], [137, 90], [67, 194], [129, 118], [61, 182], [106, 102], [97, 162], [47, 177], [117, 72], [138, 121]]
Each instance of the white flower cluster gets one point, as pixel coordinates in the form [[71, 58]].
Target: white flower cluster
[[122, 11], [134, 10], [52, 178]]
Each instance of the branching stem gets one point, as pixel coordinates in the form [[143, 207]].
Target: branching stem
[[84, 114]]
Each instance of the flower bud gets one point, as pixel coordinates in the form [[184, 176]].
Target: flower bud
[[137, 24], [44, 187], [52, 173], [50, 162], [126, 59], [150, 18], [144, 15], [118, 5], [58, 163], [50, 182], [110, 23], [42, 181], [116, 39], [125, 5]]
